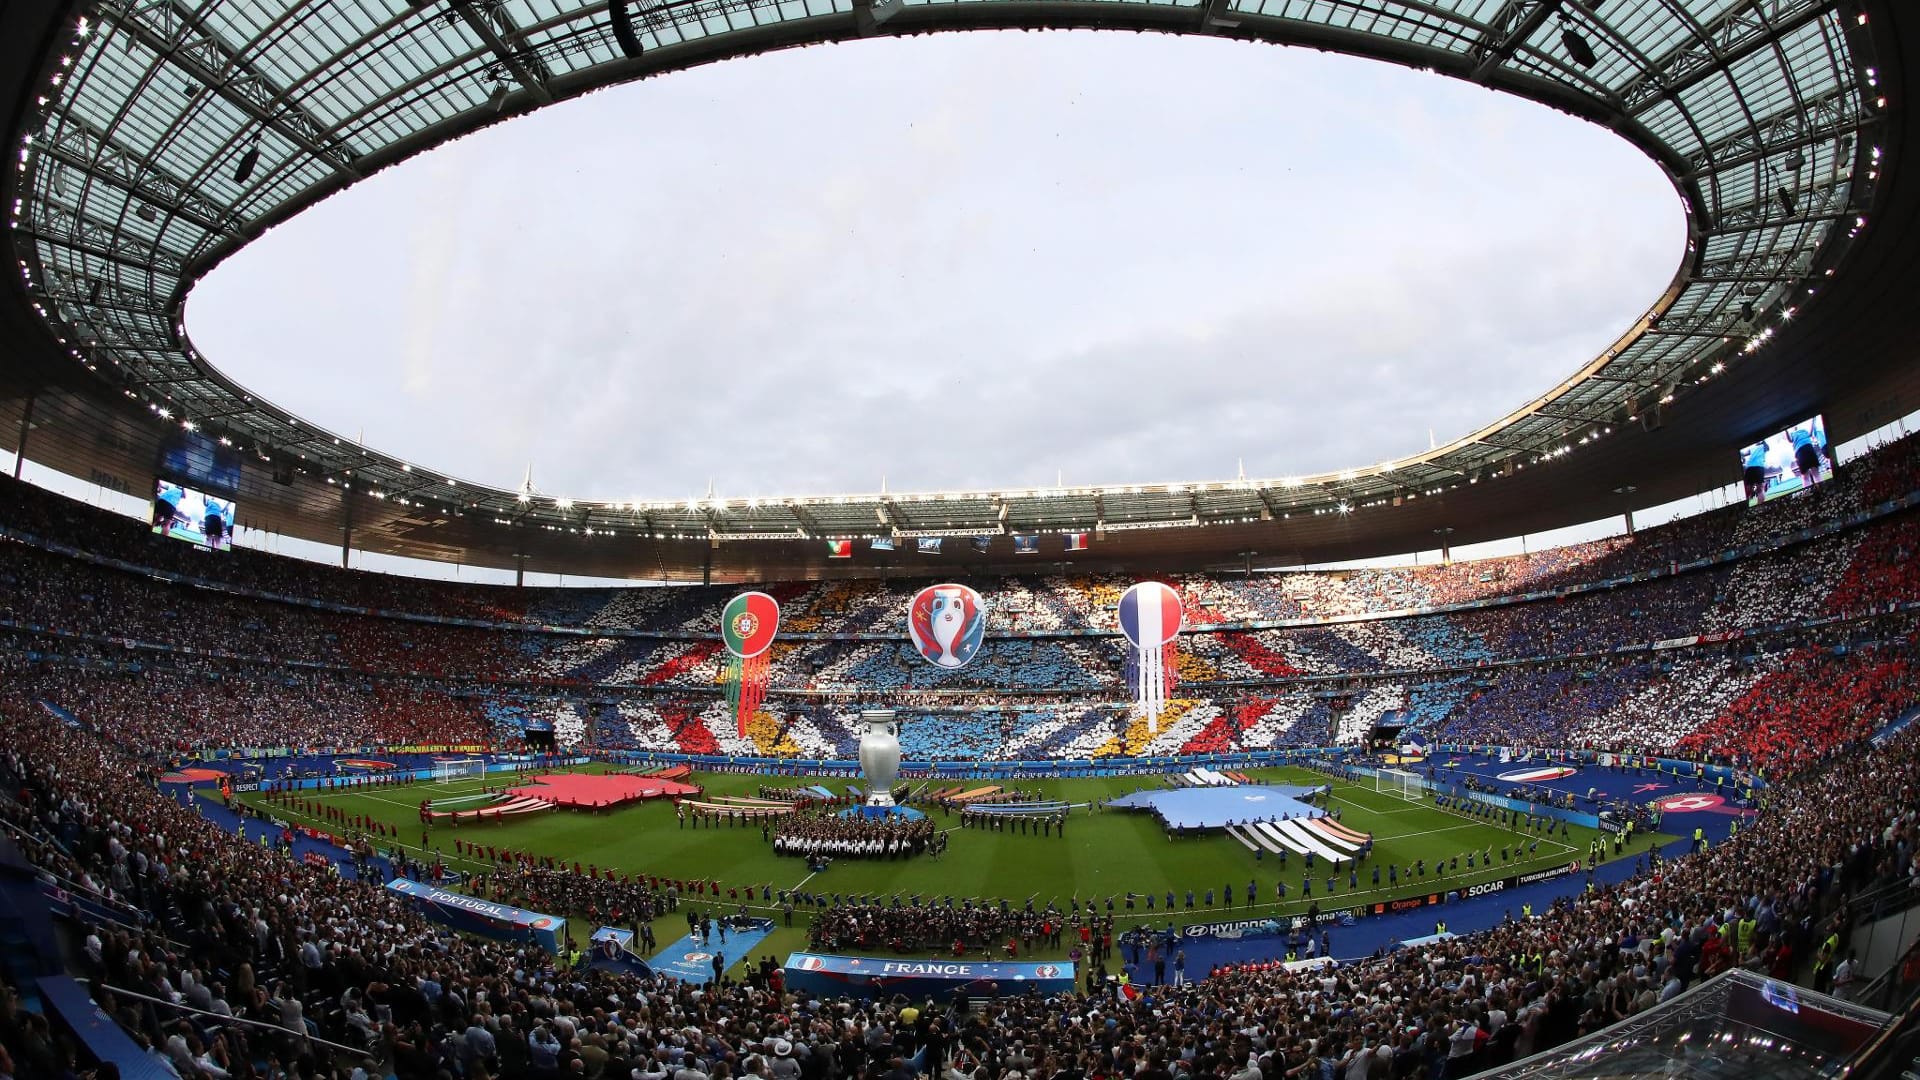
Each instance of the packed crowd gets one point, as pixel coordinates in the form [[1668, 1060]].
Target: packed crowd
[[100, 638], [1779, 699], [140, 606], [217, 707], [238, 930]]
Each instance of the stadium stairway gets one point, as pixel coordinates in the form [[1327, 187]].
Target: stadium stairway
[[622, 962], [28, 947], [1895, 726], [62, 715], [67, 999], [30, 960], [256, 831]]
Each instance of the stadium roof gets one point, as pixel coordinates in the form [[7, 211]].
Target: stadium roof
[[1738, 1025], [157, 137]]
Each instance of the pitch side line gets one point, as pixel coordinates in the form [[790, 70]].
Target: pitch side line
[[1428, 832], [1371, 810], [333, 792], [376, 798]]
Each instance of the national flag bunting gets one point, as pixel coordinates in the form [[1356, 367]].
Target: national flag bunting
[[1076, 541], [839, 549]]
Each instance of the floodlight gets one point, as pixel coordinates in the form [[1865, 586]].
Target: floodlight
[[248, 161], [1578, 50]]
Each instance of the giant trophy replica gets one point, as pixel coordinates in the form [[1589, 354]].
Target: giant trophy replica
[[879, 759]]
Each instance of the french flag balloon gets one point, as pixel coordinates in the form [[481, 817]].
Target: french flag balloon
[[1150, 617]]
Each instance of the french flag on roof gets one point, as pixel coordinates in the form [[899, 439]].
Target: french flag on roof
[[1150, 614]]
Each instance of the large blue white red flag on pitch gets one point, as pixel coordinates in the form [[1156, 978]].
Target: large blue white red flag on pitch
[[1150, 617]]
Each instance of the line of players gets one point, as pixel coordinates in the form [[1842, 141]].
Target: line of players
[[858, 838], [1014, 822]]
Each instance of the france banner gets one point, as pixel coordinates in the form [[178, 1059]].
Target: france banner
[[1150, 617], [874, 976]]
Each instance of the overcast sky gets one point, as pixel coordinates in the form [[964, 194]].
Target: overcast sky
[[962, 260]]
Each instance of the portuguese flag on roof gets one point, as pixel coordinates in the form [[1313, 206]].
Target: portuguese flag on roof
[[747, 627]]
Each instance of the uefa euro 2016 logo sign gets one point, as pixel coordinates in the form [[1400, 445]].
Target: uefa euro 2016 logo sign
[[947, 624]]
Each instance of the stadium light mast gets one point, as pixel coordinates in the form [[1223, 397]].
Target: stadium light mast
[[1625, 491], [26, 429]]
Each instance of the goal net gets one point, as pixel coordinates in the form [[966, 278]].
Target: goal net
[[1400, 782], [458, 769]]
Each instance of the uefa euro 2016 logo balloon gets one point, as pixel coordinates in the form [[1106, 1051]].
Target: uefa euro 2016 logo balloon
[[947, 624]]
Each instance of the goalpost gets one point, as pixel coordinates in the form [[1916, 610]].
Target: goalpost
[[458, 769], [1400, 782]]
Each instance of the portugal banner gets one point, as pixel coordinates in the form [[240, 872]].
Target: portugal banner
[[747, 626]]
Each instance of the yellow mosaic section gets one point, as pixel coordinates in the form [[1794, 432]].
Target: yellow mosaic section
[[808, 620], [1133, 741], [1101, 596], [837, 598], [768, 740], [1192, 668]]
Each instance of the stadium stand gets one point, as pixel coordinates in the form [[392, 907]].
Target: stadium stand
[[92, 608], [349, 974], [1773, 657]]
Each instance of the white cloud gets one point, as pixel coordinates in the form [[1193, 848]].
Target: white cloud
[[963, 260]]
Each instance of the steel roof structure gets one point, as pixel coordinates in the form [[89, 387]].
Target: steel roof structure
[[156, 137]]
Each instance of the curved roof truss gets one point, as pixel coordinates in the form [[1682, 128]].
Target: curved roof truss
[[171, 133]]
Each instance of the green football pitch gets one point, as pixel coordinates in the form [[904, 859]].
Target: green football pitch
[[1102, 854]]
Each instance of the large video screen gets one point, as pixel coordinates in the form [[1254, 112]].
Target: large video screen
[[194, 516], [1786, 461], [192, 458]]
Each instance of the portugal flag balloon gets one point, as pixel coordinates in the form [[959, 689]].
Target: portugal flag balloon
[[747, 627], [1150, 616]]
